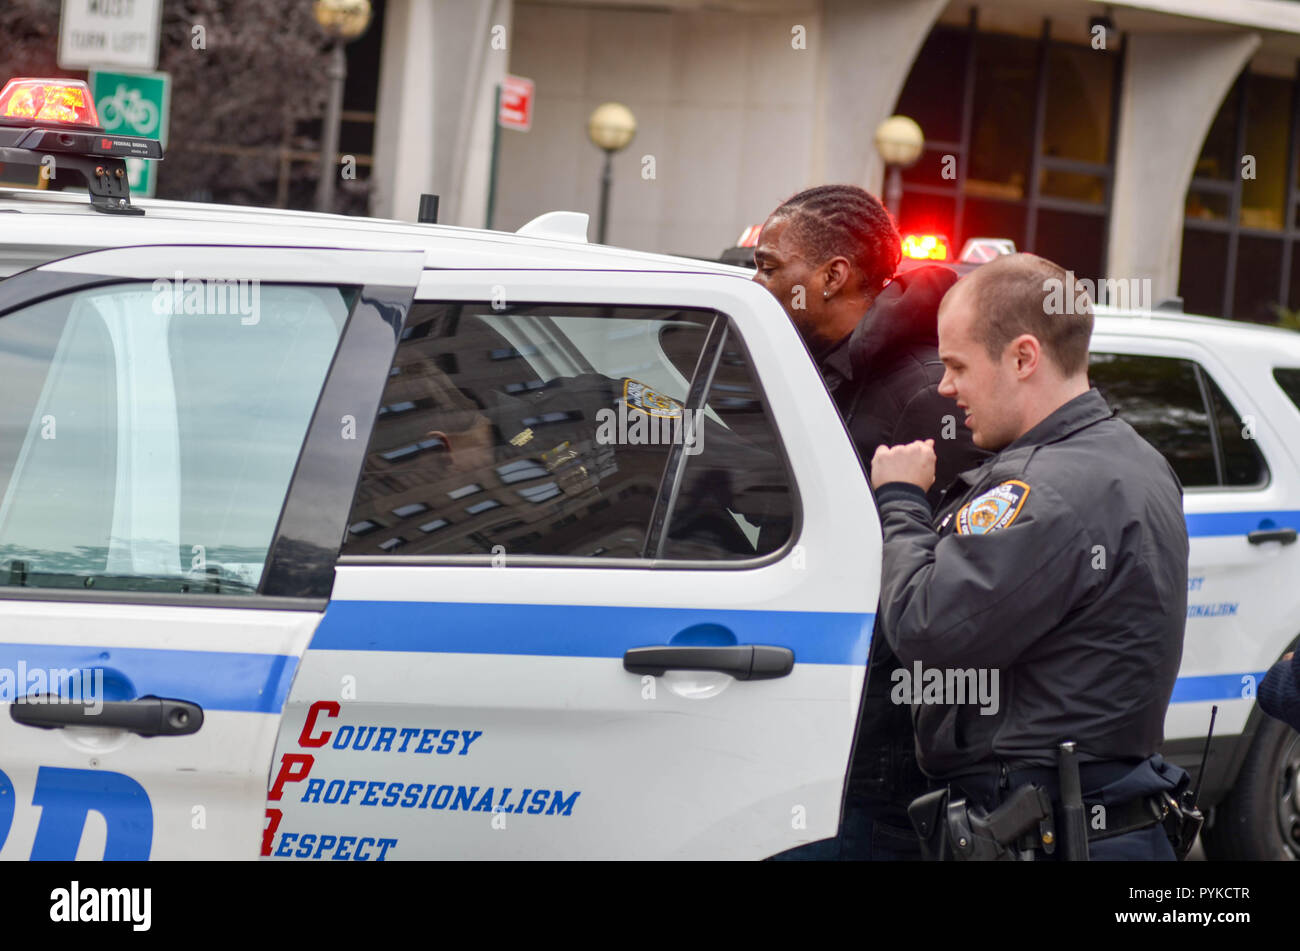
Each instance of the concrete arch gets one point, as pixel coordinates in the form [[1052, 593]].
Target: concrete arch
[[1173, 86], [870, 49]]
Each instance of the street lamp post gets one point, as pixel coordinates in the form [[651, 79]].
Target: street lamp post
[[343, 21], [899, 142], [610, 128]]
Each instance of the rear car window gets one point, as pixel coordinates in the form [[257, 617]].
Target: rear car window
[[565, 430], [1178, 408], [1289, 379]]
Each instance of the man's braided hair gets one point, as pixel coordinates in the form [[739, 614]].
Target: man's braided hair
[[832, 220]]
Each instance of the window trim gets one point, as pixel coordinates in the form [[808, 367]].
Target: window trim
[[1267, 479], [670, 482], [587, 561], [1216, 443]]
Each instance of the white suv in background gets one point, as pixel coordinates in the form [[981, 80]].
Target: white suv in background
[[1221, 401]]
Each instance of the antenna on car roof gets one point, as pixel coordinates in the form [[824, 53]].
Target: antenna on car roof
[[1170, 305], [428, 211]]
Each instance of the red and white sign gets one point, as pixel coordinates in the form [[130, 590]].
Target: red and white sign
[[516, 110]]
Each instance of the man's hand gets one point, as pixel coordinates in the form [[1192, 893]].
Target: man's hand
[[912, 463]]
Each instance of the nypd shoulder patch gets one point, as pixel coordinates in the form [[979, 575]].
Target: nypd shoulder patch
[[994, 509], [639, 396]]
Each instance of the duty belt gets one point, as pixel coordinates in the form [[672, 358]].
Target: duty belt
[[1037, 809]]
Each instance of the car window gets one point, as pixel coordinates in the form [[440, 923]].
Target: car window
[[1164, 399], [148, 436], [547, 430], [1289, 379], [1242, 462], [1161, 398]]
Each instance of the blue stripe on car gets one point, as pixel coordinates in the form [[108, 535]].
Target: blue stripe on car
[[587, 631], [816, 637], [215, 680], [1208, 524]]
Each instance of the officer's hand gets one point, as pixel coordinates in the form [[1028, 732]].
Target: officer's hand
[[912, 463]]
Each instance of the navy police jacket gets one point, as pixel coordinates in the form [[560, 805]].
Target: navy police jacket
[[1057, 572]]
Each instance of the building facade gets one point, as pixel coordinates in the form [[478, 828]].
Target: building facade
[[1152, 141]]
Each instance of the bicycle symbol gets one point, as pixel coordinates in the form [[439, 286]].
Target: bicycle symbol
[[127, 107]]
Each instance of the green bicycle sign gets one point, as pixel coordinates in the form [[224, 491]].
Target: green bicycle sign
[[134, 104]]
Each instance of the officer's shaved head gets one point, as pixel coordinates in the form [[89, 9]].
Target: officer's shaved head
[[1024, 294]]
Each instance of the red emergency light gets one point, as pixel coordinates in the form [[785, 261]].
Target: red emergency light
[[48, 101], [925, 247]]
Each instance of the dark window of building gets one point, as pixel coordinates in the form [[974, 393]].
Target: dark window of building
[[995, 219], [1254, 292], [1263, 180], [1073, 240], [1238, 245], [1079, 90], [1161, 398], [1011, 175], [1202, 279], [1087, 187], [1219, 159], [492, 461], [932, 95], [1002, 135]]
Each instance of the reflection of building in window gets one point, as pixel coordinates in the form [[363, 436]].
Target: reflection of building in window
[[478, 460]]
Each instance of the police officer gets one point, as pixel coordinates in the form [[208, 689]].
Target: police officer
[[1060, 565]]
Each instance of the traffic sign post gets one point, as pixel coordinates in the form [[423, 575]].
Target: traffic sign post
[[134, 104], [513, 109], [516, 108], [112, 33]]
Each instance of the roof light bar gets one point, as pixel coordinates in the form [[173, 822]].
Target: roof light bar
[[52, 123], [65, 102], [926, 247]]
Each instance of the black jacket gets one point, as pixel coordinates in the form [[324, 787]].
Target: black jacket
[[1060, 563], [884, 377]]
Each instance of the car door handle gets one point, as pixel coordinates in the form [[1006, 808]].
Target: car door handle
[[1284, 535], [742, 661], [148, 716]]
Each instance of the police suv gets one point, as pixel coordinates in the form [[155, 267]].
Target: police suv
[[361, 540]]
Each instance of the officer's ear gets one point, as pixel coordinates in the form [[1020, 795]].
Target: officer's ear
[[1027, 354]]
